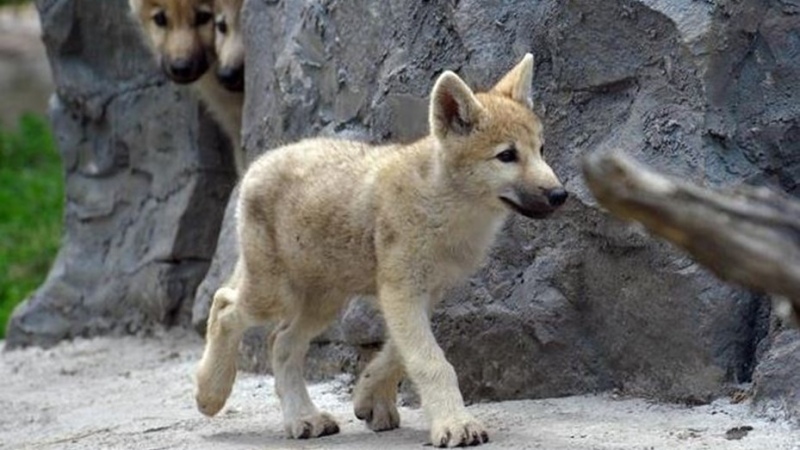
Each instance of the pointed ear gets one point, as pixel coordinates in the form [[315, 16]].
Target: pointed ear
[[454, 108], [516, 84]]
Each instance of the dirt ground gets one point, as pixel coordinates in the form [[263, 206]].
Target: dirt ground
[[137, 393]]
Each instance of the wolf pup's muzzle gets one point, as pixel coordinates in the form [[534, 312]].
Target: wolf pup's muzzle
[[232, 77], [535, 205], [185, 70]]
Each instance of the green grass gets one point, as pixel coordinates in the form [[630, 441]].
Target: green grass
[[31, 204]]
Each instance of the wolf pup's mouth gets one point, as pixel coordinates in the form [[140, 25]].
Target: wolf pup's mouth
[[533, 213]]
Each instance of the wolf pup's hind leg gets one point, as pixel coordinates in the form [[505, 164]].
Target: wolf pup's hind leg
[[301, 418], [216, 372], [375, 395]]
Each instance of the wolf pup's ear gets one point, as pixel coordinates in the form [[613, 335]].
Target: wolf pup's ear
[[454, 108], [516, 84]]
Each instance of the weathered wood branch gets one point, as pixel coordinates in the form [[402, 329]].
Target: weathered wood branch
[[747, 235]]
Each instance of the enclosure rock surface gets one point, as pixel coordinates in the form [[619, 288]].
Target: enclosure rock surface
[[777, 378], [147, 180]]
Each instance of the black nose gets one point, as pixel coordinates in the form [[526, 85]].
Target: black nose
[[181, 68], [186, 70], [557, 196], [231, 77]]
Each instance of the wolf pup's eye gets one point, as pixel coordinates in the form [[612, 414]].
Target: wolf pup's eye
[[222, 27], [202, 18], [160, 19], [508, 156]]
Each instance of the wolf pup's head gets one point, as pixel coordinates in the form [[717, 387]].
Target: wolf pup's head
[[181, 33], [229, 44], [492, 143]]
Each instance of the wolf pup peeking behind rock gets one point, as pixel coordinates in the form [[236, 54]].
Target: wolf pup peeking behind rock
[[182, 35], [322, 220], [229, 44]]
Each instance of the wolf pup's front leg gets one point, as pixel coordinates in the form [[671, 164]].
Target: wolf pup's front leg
[[406, 313]]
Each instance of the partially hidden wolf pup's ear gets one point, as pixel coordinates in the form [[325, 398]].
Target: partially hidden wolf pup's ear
[[136, 9], [516, 84], [454, 108]]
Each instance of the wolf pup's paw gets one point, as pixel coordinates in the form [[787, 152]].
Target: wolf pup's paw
[[213, 386], [458, 432], [379, 413], [209, 406], [317, 425], [211, 399]]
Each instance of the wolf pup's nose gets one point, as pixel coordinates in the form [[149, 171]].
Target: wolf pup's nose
[[557, 196], [232, 77], [181, 68]]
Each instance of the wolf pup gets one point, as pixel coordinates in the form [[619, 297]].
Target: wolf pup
[[181, 36], [229, 44], [322, 220]]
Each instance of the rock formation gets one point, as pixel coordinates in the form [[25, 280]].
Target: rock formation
[[147, 180]]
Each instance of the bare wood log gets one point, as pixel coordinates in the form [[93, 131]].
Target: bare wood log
[[746, 235]]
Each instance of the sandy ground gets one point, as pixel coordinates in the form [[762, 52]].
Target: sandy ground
[[137, 393]]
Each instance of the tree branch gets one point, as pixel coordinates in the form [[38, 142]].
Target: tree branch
[[747, 235]]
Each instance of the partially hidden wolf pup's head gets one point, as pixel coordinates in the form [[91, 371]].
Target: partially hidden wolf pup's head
[[181, 34], [229, 44], [493, 143]]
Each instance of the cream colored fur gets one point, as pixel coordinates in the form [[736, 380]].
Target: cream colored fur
[[226, 108], [229, 45], [323, 220], [182, 37]]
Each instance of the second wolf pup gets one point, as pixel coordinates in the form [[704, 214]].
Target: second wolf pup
[[323, 220], [182, 37], [229, 44]]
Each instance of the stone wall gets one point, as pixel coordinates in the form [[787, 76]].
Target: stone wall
[[578, 303]]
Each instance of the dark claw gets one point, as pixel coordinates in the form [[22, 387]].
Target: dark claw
[[330, 428], [464, 441], [484, 436], [366, 416], [475, 438], [306, 431], [445, 440]]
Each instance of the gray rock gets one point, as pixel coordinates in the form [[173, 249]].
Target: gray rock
[[221, 268], [362, 323], [776, 383], [147, 179], [692, 19]]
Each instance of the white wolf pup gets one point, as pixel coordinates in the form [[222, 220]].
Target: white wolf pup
[[323, 220]]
